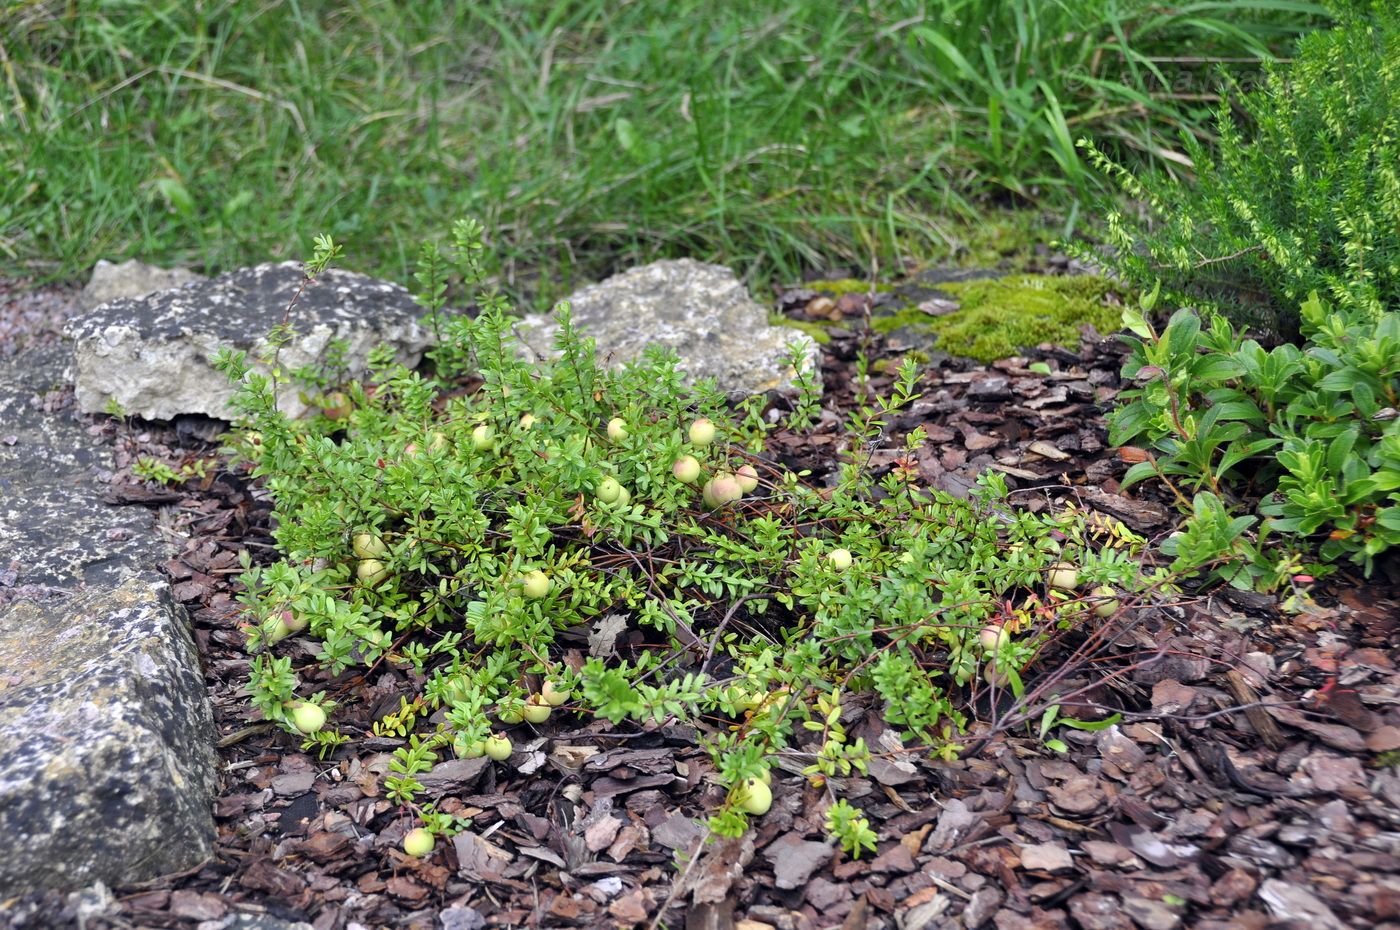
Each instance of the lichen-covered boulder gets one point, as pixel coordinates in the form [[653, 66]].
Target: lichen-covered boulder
[[107, 763], [112, 281], [151, 354], [702, 312]]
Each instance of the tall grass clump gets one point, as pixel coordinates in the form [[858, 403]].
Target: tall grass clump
[[774, 134], [1020, 79]]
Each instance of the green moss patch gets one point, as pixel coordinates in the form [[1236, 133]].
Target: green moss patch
[[839, 287], [1000, 317], [816, 330], [909, 316]]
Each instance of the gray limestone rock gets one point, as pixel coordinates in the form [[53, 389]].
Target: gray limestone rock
[[107, 764], [111, 281], [703, 312], [55, 532], [107, 761], [151, 354]]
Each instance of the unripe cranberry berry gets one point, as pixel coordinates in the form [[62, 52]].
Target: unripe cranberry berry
[[702, 432], [686, 469], [418, 843]]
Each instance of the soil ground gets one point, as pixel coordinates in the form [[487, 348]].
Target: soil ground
[[1251, 781]]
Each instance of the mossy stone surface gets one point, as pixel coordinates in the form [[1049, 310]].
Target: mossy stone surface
[[998, 318]]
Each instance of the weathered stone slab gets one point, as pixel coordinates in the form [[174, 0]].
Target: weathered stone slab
[[703, 312], [111, 281], [107, 764], [151, 354]]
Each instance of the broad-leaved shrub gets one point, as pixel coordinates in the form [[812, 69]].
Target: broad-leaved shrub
[[1310, 430]]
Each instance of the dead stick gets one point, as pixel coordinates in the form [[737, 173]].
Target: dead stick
[[1248, 698]]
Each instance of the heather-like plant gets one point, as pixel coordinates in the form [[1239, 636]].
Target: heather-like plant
[[524, 540], [1300, 194]]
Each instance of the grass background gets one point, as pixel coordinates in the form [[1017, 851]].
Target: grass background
[[773, 135]]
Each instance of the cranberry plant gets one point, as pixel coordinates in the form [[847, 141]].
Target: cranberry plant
[[526, 540]]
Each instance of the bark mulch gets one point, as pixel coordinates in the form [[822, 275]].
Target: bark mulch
[[1251, 781]]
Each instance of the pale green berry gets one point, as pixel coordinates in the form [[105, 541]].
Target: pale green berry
[[1063, 576], [686, 469], [754, 797], [418, 843], [994, 636], [371, 572], [537, 710], [468, 748], [1108, 601], [702, 432], [308, 718], [554, 695], [535, 584], [497, 747], [368, 546]]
